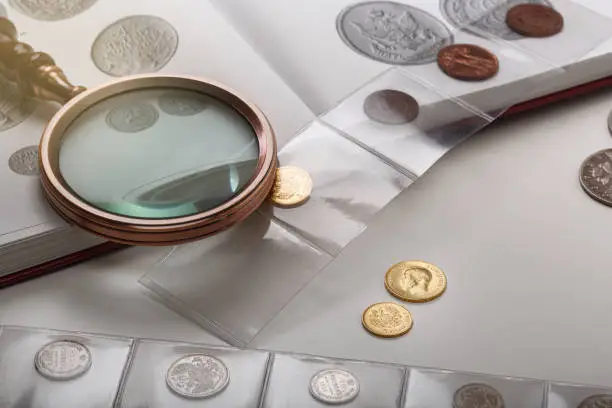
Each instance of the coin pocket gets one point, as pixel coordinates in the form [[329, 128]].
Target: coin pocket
[[566, 395], [450, 389], [173, 374], [44, 368], [308, 381]]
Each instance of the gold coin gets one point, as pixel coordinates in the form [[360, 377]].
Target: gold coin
[[415, 281], [387, 319], [292, 186]]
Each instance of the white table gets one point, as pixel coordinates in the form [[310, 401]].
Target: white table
[[526, 253]]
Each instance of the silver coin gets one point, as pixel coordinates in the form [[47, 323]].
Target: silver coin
[[483, 17], [25, 161], [393, 33], [63, 360], [197, 376], [15, 107], [133, 117], [182, 103], [596, 176], [134, 45], [51, 10], [391, 107], [477, 396], [597, 401], [334, 386]]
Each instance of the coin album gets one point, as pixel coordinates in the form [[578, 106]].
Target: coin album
[[44, 368]]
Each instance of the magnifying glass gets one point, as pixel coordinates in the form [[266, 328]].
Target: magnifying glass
[[146, 159]]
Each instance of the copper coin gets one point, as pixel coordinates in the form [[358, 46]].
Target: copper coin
[[468, 62], [534, 20]]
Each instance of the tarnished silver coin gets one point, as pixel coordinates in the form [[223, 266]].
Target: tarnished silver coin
[[482, 17], [135, 45], [14, 106], [393, 33], [477, 396], [197, 376], [597, 401], [63, 360], [25, 161], [596, 176], [334, 386], [391, 107], [133, 117], [182, 103], [51, 10]]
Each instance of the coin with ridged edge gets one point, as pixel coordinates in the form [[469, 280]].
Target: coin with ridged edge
[[597, 401], [596, 176], [387, 319], [132, 117], [292, 186], [415, 281], [62, 360], [477, 396], [334, 386], [51, 10], [25, 161], [135, 45], [197, 376]]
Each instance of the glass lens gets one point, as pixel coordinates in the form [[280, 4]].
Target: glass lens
[[158, 153]]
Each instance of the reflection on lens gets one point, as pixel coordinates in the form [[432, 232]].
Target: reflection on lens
[[130, 156]]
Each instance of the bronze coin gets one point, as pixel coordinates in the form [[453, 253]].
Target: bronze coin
[[534, 20], [468, 62]]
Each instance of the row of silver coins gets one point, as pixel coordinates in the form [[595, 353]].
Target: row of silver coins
[[47, 368]]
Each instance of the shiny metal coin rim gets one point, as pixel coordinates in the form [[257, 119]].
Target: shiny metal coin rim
[[118, 21], [588, 400], [387, 336], [306, 196], [476, 384], [61, 377], [149, 106], [590, 193], [420, 264], [322, 399], [450, 38], [15, 169], [210, 394], [374, 118]]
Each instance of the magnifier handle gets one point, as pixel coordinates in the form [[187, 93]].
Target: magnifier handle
[[35, 72]]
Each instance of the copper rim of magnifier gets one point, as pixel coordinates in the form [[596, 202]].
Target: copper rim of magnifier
[[139, 231]]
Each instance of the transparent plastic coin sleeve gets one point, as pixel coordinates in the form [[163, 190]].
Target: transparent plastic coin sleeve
[[23, 385], [441, 123], [437, 389], [565, 395], [145, 384], [583, 30], [519, 77], [290, 377], [349, 186], [235, 282]]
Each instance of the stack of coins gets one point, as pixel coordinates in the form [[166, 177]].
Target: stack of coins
[[410, 281]]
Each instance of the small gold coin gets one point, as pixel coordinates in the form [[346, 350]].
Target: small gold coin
[[387, 319], [415, 281], [292, 186]]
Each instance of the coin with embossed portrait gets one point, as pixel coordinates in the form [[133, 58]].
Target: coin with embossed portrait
[[51, 10], [15, 107], [135, 45], [596, 176], [292, 186], [391, 107], [477, 396], [25, 161], [387, 319], [483, 17], [392, 33], [197, 376], [63, 360], [132, 117], [182, 103], [334, 386], [415, 281], [597, 401]]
